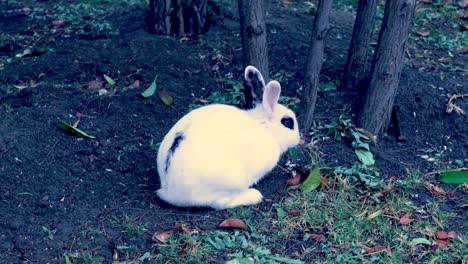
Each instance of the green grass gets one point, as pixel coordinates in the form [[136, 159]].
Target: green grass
[[129, 225]]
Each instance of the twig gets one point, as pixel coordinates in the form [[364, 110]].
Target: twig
[[48, 153], [451, 106]]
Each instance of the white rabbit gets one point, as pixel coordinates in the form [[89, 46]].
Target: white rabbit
[[214, 154]]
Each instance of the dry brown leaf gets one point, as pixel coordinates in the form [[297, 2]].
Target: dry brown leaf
[[295, 180], [317, 237], [136, 84], [452, 234], [442, 235], [95, 84], [302, 141], [164, 235], [423, 33], [233, 223], [435, 189], [295, 212], [385, 192], [375, 249], [325, 181], [405, 220], [442, 243]]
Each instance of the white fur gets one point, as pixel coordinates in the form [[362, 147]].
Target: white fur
[[224, 151]]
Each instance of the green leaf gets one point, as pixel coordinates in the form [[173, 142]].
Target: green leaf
[[240, 261], [293, 154], [65, 126], [420, 241], [286, 260], [151, 89], [454, 177], [281, 213], [24, 193], [109, 80], [365, 157], [312, 182], [325, 87]]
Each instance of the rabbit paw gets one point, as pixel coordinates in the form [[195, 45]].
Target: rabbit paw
[[248, 197]]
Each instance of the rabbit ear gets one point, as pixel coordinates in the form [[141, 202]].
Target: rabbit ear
[[254, 85], [270, 97]]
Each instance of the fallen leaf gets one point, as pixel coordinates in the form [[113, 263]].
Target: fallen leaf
[[442, 242], [463, 3], [405, 220], [435, 189], [420, 241], [423, 33], [233, 223], [312, 182], [393, 178], [295, 212], [295, 180], [302, 141], [162, 236], [136, 84], [95, 84], [442, 235], [454, 177], [374, 214], [452, 234], [325, 181], [70, 128], [58, 22], [385, 192], [317, 237], [165, 97], [109, 80], [81, 115], [373, 249], [241, 261], [151, 89]]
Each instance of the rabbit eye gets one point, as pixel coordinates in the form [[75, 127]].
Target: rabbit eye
[[288, 122]]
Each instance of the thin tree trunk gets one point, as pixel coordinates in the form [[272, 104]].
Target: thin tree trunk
[[182, 18], [358, 54], [385, 75], [314, 64], [254, 35]]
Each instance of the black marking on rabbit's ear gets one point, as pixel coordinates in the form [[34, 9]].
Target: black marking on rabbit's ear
[[179, 136], [253, 87], [288, 122]]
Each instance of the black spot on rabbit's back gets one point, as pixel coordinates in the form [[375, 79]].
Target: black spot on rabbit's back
[[288, 122], [179, 136]]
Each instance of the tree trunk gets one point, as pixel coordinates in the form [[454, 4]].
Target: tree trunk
[[357, 63], [254, 35], [314, 64], [386, 71], [182, 18]]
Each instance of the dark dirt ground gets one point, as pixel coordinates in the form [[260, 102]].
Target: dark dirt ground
[[69, 184]]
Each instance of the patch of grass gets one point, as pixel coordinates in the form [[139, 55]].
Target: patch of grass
[[85, 257], [186, 248], [413, 179], [129, 225]]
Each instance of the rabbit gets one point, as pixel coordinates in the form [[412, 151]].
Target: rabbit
[[214, 154]]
